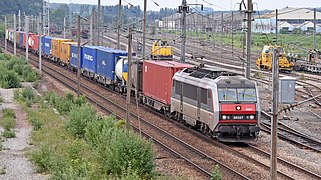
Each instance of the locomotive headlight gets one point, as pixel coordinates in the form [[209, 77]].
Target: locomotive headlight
[[224, 117], [252, 117]]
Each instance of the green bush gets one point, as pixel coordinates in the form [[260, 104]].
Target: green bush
[[118, 149], [29, 74], [9, 134], [9, 79], [79, 117], [1, 100], [216, 173], [27, 94], [8, 112], [37, 123], [16, 94], [8, 123], [42, 157]]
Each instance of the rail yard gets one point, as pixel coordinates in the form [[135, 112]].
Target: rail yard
[[212, 106]]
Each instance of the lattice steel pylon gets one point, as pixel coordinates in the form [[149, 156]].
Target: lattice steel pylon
[[45, 17]]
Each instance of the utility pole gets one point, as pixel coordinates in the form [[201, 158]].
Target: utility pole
[[78, 68], [98, 23], [70, 15], [102, 25], [19, 21], [248, 38], [14, 35], [276, 26], [64, 27], [128, 77], [46, 30], [91, 26], [183, 9], [118, 25], [27, 38], [144, 28], [40, 43], [314, 34], [274, 128], [232, 27], [221, 34], [6, 34]]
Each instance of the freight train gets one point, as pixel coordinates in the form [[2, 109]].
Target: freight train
[[218, 103]]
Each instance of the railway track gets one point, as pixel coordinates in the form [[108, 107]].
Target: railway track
[[194, 157], [293, 136], [208, 157]]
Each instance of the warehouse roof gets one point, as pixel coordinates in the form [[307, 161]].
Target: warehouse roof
[[292, 13]]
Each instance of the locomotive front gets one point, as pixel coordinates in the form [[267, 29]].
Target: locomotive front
[[239, 109]]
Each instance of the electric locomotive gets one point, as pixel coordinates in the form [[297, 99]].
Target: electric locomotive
[[220, 104]]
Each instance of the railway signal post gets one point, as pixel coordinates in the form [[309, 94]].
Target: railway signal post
[[27, 35], [274, 123]]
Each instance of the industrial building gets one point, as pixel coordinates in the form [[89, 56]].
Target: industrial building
[[288, 20]]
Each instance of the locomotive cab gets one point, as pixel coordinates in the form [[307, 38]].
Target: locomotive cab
[[220, 104], [238, 110]]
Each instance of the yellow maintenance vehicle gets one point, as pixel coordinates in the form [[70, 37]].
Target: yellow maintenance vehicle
[[266, 58], [161, 50]]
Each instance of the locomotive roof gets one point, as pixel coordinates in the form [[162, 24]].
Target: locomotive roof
[[207, 73]]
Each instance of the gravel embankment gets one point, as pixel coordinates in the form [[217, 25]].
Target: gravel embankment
[[13, 158]]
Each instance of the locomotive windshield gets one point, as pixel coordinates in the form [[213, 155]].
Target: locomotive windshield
[[237, 94]]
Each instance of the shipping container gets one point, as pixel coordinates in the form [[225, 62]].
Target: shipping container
[[74, 56], [24, 39], [106, 62], [55, 47], [65, 52], [46, 45], [34, 42], [20, 39], [157, 79], [89, 59]]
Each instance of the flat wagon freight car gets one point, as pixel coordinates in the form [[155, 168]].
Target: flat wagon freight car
[[74, 56], [106, 64], [65, 53], [89, 60], [157, 82], [55, 47], [46, 46]]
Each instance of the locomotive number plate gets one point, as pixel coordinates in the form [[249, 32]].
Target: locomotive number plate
[[238, 117]]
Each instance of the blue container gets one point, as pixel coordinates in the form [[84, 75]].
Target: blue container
[[46, 45], [106, 61], [74, 56], [20, 41], [89, 58]]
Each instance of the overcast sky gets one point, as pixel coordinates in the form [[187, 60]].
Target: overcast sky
[[216, 4]]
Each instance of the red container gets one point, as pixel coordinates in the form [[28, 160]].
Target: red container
[[157, 78], [34, 42], [24, 38]]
